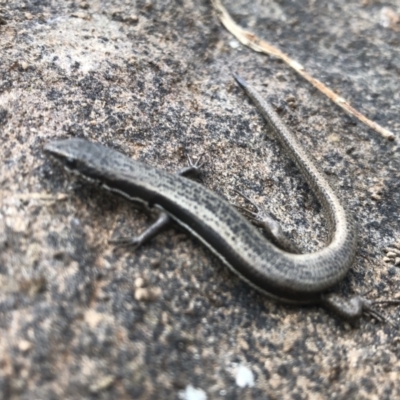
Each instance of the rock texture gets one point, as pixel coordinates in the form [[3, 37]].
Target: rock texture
[[153, 80]]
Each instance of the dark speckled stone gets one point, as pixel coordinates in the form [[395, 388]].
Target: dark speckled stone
[[153, 80]]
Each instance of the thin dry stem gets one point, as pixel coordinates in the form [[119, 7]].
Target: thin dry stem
[[249, 39]]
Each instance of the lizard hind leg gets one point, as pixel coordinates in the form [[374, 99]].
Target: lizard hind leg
[[270, 226], [351, 309]]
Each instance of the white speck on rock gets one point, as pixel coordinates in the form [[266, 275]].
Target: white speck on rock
[[244, 377], [191, 393], [234, 44]]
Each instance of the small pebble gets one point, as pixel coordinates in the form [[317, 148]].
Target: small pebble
[[24, 345], [139, 283], [147, 294]]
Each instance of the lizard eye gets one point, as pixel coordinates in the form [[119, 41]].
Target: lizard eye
[[70, 163]]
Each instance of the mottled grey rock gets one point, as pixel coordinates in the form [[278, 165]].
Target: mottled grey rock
[[153, 80]]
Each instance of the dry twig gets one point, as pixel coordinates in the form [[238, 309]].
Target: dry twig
[[249, 39]]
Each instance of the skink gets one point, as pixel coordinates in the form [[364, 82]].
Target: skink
[[288, 277]]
